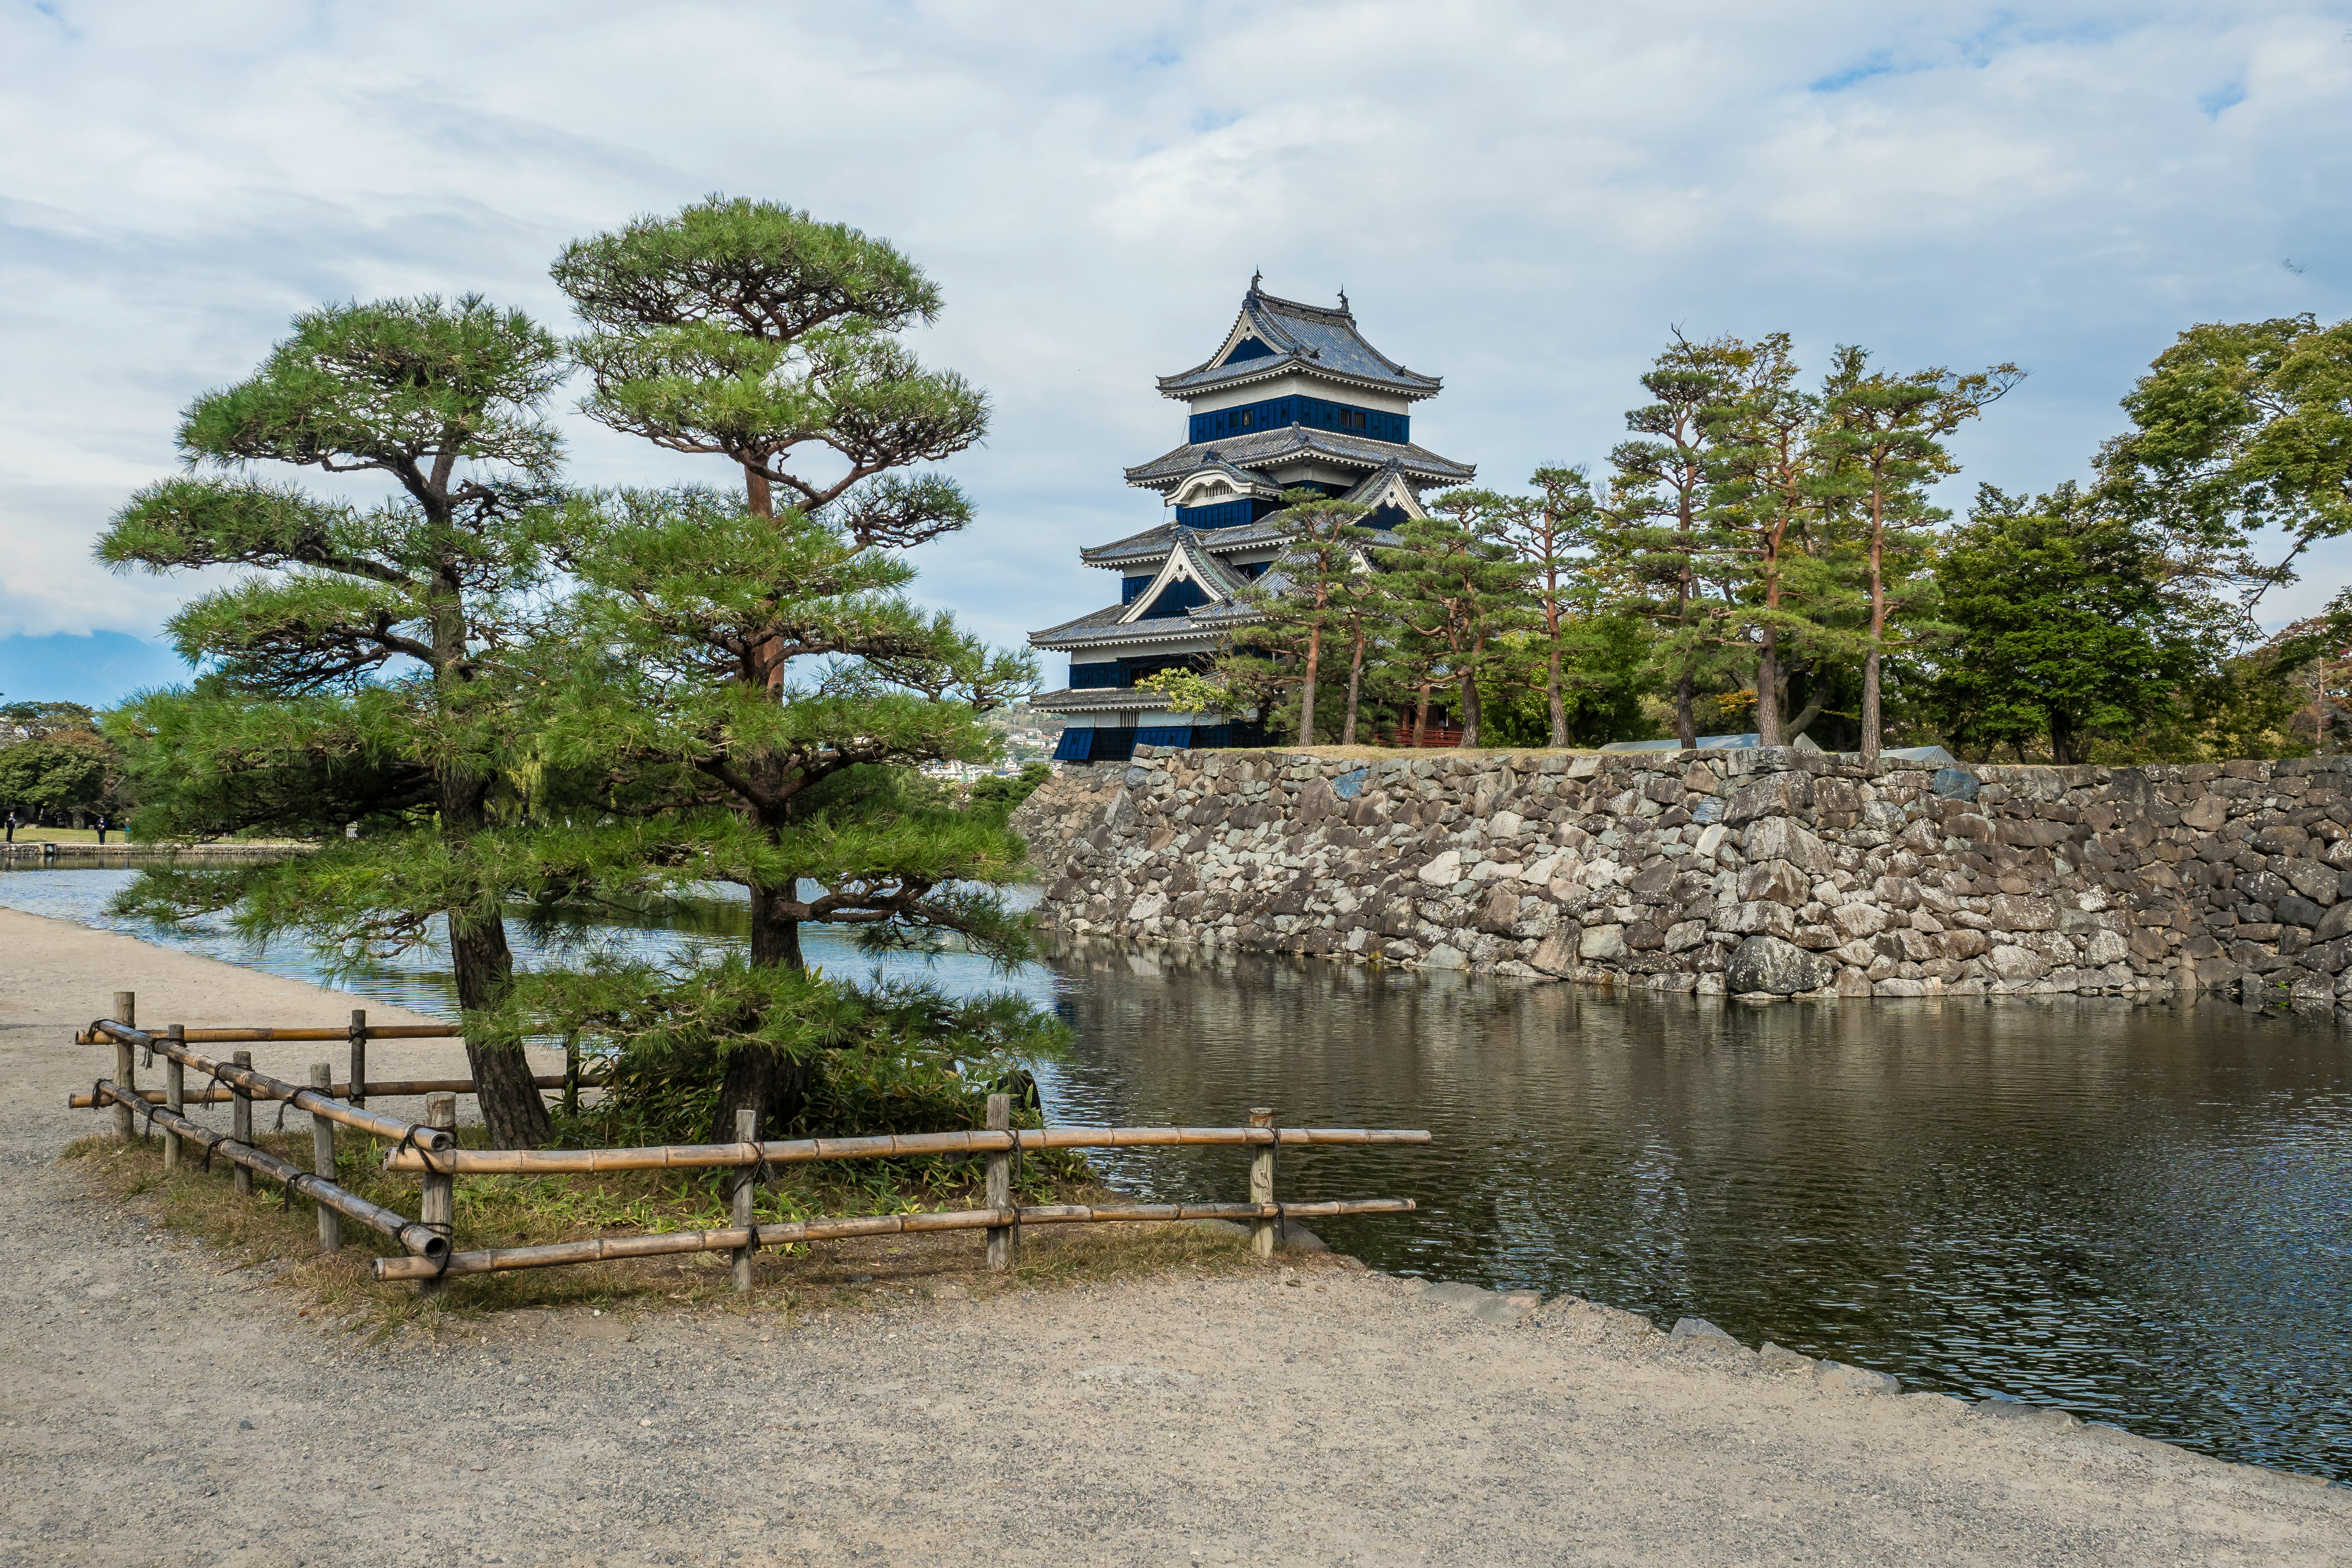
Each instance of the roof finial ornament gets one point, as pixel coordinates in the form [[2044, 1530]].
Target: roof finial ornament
[[1343, 299], [1256, 274]]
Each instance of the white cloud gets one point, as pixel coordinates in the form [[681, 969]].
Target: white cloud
[[1519, 196]]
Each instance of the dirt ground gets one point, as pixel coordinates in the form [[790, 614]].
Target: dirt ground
[[158, 1407]]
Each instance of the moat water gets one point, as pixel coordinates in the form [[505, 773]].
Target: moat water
[[2141, 1213]]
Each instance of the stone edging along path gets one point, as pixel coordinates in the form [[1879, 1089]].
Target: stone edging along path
[[1764, 870]]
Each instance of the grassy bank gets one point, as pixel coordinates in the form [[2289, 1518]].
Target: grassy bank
[[259, 1231]]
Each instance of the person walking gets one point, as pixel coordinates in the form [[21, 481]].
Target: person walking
[[12, 827], [101, 827]]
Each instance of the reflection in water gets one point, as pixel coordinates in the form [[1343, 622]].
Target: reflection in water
[[2139, 1214], [420, 979], [2136, 1213]]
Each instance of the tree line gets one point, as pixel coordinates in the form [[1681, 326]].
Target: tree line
[[1763, 553], [57, 769]]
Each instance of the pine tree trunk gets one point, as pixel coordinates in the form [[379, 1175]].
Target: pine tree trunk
[[760, 1078], [1686, 726], [1421, 714], [1877, 630], [480, 959], [1469, 709], [1768, 690], [1355, 690], [1553, 696], [1307, 690], [483, 967]]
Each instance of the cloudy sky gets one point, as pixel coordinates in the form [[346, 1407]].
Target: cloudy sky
[[1523, 198]]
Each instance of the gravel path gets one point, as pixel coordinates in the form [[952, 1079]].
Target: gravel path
[[158, 1408]]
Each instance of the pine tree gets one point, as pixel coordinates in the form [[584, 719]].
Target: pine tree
[[1659, 501], [1553, 532], [1453, 587], [1765, 500], [361, 674], [1311, 594], [1882, 441], [740, 699], [749, 331]]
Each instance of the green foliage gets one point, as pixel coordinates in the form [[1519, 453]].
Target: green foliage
[[39, 777], [997, 796], [1452, 587], [2239, 427], [1607, 673], [366, 671], [675, 706], [43, 720], [2071, 626], [1664, 540], [886, 1056], [748, 331]]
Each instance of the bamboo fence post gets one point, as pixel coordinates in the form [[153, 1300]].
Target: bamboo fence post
[[1262, 1231], [747, 1129], [571, 1076], [175, 1096], [126, 1005], [999, 1184], [240, 1125], [359, 1057], [439, 1209], [323, 1159]]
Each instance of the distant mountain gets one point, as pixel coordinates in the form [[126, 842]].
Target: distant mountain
[[99, 668]]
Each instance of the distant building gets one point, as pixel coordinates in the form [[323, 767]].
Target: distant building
[[1294, 397]]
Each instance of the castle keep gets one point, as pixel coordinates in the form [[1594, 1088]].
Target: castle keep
[[1294, 398]]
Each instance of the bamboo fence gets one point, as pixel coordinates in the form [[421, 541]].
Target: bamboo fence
[[398, 1088], [428, 1149]]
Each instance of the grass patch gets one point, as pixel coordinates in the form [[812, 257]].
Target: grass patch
[[260, 1231]]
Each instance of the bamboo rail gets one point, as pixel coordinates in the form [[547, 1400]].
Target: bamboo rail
[[429, 1148], [262, 1085], [397, 1089], [257, 1035], [612, 1248], [430, 1246], [687, 1156]]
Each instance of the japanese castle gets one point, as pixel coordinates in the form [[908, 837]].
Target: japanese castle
[[1294, 397]]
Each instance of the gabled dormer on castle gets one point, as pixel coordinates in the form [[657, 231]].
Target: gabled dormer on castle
[[1294, 398]]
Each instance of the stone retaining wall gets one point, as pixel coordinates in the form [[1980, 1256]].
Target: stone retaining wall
[[1757, 870]]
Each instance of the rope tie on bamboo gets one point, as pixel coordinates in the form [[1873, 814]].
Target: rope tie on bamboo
[[754, 1175], [444, 1230], [408, 1141]]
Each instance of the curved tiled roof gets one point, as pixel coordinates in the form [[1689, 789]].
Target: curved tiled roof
[[1314, 339], [1261, 448]]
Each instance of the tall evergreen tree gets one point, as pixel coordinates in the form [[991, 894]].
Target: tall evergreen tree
[[1883, 440], [749, 331], [692, 764], [1659, 499], [1553, 534], [1765, 483], [1453, 586], [1312, 596], [359, 674]]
